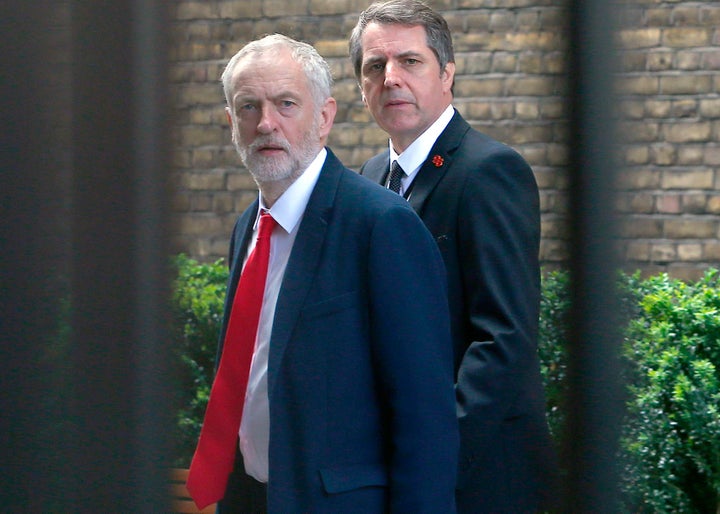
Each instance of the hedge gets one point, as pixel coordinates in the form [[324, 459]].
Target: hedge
[[670, 443]]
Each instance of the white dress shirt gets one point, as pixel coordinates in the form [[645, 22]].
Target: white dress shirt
[[287, 212], [416, 154]]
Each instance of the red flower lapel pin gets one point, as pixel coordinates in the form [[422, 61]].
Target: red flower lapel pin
[[438, 161]]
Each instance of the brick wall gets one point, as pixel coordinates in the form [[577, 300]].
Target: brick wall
[[511, 84]]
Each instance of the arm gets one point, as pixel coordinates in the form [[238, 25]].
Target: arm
[[413, 359], [499, 237]]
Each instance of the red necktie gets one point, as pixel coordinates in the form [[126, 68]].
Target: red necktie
[[215, 452]]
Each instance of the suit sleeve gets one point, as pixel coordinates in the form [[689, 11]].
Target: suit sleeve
[[499, 241], [413, 359]]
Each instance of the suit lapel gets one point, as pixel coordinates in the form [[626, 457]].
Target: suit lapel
[[438, 161], [377, 168], [304, 259]]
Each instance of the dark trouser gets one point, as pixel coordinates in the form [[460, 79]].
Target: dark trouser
[[244, 494]]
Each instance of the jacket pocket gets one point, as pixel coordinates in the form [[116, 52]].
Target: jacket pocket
[[348, 478], [350, 300]]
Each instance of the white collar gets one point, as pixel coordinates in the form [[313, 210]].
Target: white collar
[[416, 154], [289, 208]]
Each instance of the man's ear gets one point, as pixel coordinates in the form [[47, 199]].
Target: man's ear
[[327, 116], [228, 116], [362, 95], [448, 76]]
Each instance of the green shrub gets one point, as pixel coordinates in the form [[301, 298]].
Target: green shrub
[[670, 445], [197, 306], [552, 346], [671, 439]]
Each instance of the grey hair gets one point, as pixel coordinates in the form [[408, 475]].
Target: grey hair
[[409, 13], [317, 70]]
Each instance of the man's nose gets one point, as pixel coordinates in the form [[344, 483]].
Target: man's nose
[[392, 75], [267, 121]]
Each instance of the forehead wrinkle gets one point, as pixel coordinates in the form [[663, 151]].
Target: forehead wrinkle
[[249, 83]]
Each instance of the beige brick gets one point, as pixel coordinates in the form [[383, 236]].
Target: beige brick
[[637, 251], [373, 135], [684, 108], [641, 227], [201, 202], [711, 155], [201, 94], [686, 15], [527, 41], [641, 178], [553, 250], [332, 48], [323, 7], [637, 154], [690, 228], [546, 180], [663, 154], [658, 108], [690, 251], [691, 155], [504, 62], [535, 155], [205, 180], [633, 61], [527, 110], [711, 252], [473, 63], [660, 60], [553, 227], [479, 87], [639, 38], [531, 63], [641, 203], [687, 179], [222, 202], [195, 10], [685, 84], [199, 224], [663, 252], [687, 132], [669, 204], [203, 158], [345, 136], [530, 86], [658, 17], [689, 61], [710, 107], [555, 62], [632, 109], [694, 203], [645, 85], [284, 8], [684, 37], [641, 131], [198, 135], [240, 180], [236, 9]]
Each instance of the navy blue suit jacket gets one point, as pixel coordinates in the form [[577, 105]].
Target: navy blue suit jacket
[[480, 201], [360, 379]]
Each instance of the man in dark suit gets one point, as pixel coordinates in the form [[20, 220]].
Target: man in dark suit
[[349, 405], [480, 201]]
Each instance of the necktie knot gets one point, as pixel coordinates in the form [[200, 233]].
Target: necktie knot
[[267, 224]]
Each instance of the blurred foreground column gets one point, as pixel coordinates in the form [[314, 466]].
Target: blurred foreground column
[[86, 403], [594, 405]]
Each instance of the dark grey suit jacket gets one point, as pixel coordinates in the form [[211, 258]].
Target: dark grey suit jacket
[[480, 201]]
